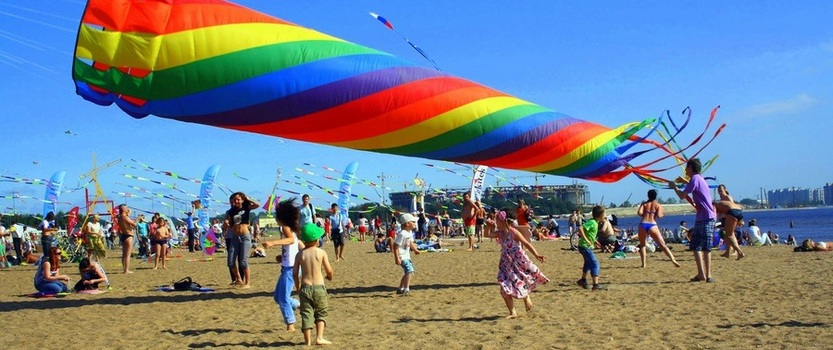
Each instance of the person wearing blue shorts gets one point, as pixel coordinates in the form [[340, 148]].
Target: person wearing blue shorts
[[403, 244]]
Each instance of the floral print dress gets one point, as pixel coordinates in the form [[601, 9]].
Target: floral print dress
[[517, 274]]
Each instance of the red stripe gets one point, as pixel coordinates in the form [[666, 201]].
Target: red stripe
[[552, 147], [381, 113], [168, 16]]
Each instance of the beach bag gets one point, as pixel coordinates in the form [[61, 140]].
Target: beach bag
[[186, 284]]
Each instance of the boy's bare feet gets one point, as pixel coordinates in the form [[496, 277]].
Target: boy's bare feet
[[741, 255], [725, 255], [245, 286], [676, 264], [290, 327], [322, 341]]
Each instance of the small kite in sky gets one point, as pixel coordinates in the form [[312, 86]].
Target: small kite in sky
[[419, 50]]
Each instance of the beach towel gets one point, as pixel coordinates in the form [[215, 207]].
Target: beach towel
[[172, 289], [91, 291], [40, 295]]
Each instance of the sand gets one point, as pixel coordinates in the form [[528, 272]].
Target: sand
[[773, 299]]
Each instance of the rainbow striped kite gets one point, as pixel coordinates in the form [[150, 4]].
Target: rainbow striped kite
[[216, 63]]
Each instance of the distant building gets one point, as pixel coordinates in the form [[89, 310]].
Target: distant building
[[817, 195], [575, 193], [828, 194], [789, 197]]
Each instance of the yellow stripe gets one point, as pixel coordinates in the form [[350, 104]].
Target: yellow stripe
[[435, 126], [580, 151], [158, 52]]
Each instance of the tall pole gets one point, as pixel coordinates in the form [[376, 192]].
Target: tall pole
[[384, 196]]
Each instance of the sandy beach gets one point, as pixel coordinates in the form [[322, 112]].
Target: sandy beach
[[773, 299]]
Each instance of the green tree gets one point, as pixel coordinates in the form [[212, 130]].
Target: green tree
[[749, 202]]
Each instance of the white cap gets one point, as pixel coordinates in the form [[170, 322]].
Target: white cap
[[406, 218]]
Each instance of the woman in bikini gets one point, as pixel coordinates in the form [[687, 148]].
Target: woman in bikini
[[126, 228], [649, 211], [731, 214]]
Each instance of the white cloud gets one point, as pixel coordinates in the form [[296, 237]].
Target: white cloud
[[792, 105]]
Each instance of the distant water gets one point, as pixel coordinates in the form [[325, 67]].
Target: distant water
[[813, 223]]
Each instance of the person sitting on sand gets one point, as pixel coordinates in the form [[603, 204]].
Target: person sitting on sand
[[91, 275], [755, 236], [607, 236], [258, 251], [30, 258], [773, 237], [791, 240], [432, 243], [48, 279], [382, 243], [541, 233], [681, 233]]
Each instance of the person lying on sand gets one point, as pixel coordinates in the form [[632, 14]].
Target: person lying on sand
[[809, 246]]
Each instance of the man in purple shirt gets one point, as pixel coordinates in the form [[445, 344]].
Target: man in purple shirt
[[701, 233]]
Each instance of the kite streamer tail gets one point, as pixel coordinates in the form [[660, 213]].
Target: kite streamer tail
[[648, 175]]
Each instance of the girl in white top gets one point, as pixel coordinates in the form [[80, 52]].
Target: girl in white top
[[288, 216], [362, 227]]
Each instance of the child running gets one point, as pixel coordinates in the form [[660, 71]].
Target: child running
[[403, 244], [587, 240], [517, 274], [309, 283]]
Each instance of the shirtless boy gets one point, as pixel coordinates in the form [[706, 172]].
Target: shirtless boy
[[309, 282]]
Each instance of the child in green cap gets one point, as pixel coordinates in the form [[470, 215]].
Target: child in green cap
[[309, 282]]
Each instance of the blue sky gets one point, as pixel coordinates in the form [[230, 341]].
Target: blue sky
[[767, 63]]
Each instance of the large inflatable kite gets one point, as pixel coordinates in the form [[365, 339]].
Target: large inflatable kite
[[216, 63]]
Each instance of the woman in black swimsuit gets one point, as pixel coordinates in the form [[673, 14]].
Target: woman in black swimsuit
[[732, 213]]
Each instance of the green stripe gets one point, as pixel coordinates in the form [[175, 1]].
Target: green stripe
[[599, 152], [210, 73], [589, 158], [475, 128]]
